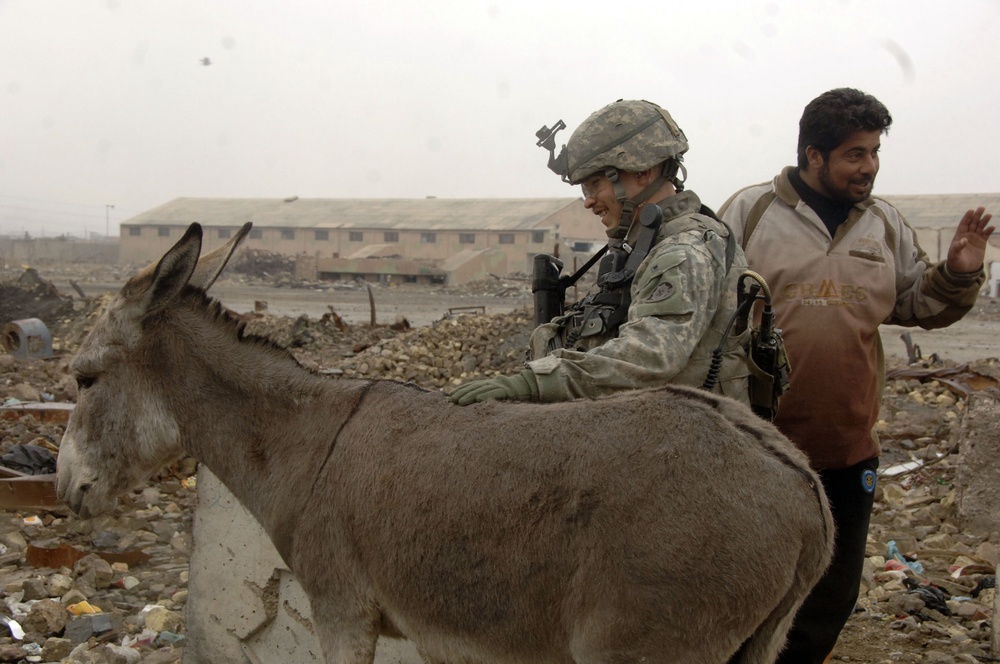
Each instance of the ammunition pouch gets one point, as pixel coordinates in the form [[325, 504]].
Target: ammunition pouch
[[592, 321], [766, 357], [769, 371]]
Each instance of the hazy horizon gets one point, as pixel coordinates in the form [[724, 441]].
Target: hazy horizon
[[113, 103]]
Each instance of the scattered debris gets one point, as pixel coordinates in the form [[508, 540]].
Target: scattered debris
[[31, 297], [114, 588], [29, 459], [913, 354], [262, 264], [27, 339]]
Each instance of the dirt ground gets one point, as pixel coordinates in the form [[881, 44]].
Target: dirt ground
[[328, 327]]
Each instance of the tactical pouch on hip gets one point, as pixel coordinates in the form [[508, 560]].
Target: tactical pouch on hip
[[769, 371]]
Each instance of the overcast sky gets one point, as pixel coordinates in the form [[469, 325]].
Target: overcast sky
[[107, 102]]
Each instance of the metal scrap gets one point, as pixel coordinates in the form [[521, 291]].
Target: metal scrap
[[959, 379]]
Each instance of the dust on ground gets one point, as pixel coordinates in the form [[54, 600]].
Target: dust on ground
[[941, 613]]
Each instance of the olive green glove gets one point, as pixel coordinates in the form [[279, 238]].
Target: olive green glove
[[522, 387]]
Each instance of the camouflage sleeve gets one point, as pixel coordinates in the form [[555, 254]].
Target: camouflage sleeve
[[927, 295], [674, 296]]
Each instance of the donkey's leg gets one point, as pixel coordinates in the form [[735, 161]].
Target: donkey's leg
[[768, 639], [346, 636], [346, 646]]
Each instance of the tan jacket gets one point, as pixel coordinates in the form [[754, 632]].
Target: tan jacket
[[830, 296]]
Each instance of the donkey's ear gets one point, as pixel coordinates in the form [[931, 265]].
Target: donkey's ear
[[210, 265], [170, 275]]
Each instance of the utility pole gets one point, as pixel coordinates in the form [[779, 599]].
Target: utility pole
[[107, 220]]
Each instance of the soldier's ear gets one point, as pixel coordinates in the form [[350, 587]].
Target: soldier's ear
[[642, 177]]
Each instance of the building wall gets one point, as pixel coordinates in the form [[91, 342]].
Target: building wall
[[935, 243], [58, 250], [144, 244], [572, 226]]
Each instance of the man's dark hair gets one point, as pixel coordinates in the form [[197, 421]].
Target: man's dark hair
[[830, 118]]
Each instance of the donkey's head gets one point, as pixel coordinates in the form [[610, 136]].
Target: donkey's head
[[121, 431]]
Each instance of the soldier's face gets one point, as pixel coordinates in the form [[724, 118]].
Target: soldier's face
[[599, 196]]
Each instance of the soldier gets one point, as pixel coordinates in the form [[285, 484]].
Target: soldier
[[666, 289]]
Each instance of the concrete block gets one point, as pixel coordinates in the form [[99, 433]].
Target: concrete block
[[978, 475], [244, 605], [996, 632]]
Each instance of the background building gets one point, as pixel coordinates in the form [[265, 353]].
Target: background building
[[430, 239], [443, 240], [934, 217]]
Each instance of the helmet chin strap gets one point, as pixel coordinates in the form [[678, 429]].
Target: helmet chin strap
[[629, 205]]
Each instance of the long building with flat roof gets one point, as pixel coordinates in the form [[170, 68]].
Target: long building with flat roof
[[439, 239], [410, 238]]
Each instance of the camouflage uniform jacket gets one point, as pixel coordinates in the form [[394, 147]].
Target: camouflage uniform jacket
[[682, 300], [830, 296]]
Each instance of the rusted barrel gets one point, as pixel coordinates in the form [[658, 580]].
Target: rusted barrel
[[27, 339]]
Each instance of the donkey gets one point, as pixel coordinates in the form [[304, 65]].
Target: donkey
[[665, 525]]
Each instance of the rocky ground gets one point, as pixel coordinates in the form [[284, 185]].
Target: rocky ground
[[113, 589]]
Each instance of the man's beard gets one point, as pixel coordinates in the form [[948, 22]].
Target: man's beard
[[843, 194]]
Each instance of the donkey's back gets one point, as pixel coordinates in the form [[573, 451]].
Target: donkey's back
[[667, 525]]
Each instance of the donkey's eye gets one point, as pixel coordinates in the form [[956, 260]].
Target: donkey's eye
[[83, 382]]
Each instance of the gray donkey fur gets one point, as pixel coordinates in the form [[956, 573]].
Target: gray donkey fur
[[667, 525]]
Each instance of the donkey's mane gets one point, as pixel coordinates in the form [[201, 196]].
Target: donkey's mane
[[217, 314]]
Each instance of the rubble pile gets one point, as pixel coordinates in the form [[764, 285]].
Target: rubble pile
[[113, 589], [447, 353], [30, 296], [72, 330], [261, 264], [67, 318], [931, 582], [511, 286], [327, 336]]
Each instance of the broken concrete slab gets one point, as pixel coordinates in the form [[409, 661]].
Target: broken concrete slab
[[243, 601], [979, 474]]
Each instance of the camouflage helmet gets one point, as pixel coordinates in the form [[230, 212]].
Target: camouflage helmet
[[630, 135]]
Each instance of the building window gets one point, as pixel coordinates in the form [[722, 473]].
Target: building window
[[466, 238], [323, 236], [391, 236], [163, 231], [256, 233], [506, 238], [287, 234], [224, 233], [538, 237], [356, 236], [428, 238], [134, 230]]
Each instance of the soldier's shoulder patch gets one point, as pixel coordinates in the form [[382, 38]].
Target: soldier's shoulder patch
[[662, 292]]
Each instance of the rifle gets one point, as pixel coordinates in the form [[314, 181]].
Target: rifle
[[549, 288]]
